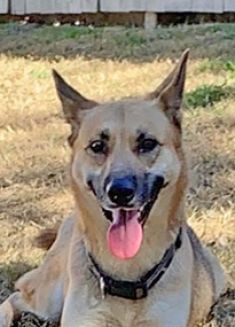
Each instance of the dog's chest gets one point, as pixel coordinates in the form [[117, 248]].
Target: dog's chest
[[170, 310], [168, 303], [158, 310]]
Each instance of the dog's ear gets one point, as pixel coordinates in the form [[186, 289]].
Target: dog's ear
[[73, 104], [170, 92]]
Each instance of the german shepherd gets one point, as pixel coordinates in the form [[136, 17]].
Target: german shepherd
[[127, 257]]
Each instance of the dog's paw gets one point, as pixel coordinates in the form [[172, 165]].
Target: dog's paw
[[6, 314]]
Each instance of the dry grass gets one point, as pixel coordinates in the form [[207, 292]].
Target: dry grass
[[107, 64]]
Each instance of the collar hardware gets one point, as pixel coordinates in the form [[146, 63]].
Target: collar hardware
[[135, 290], [102, 287]]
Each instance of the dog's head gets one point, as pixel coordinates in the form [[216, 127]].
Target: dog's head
[[125, 154]]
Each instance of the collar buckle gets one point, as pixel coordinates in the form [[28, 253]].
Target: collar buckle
[[141, 292]]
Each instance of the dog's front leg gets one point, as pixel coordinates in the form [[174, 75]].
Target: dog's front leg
[[149, 323], [6, 314], [146, 324], [88, 318], [12, 307], [93, 321]]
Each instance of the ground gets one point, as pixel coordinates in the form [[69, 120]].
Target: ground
[[109, 63]]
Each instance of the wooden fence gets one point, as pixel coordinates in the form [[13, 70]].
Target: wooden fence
[[25, 7]]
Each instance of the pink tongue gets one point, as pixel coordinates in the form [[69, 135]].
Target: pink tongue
[[125, 234]]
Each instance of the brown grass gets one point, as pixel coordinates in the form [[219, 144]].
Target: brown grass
[[33, 149]]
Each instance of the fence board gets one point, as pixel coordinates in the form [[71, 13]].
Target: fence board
[[32, 7], [75, 6], [229, 5], [212, 6], [131, 5], [61, 6], [155, 6], [178, 5], [115, 5], [3, 6], [18, 7], [47, 6], [21, 7], [138, 5], [89, 5]]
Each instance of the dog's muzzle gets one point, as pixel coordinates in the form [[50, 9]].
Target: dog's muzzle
[[129, 204]]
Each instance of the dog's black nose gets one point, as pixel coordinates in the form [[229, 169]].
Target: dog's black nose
[[122, 190]]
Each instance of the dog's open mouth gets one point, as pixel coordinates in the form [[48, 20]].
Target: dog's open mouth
[[125, 233], [143, 212]]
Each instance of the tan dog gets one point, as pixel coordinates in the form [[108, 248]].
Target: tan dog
[[127, 257]]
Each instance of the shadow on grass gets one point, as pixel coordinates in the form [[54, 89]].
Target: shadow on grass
[[9, 273]]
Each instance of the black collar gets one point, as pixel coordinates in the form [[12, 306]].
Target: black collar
[[135, 290]]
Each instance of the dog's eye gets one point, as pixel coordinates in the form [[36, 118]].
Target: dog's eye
[[147, 145], [98, 147]]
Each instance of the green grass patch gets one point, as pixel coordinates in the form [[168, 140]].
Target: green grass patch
[[66, 32], [206, 95], [40, 74], [216, 65], [121, 43], [130, 38], [225, 31]]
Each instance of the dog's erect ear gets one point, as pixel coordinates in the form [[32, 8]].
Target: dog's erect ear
[[73, 104], [170, 92]]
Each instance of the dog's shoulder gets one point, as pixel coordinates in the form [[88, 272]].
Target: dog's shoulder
[[207, 264]]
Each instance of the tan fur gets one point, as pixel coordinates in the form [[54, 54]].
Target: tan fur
[[63, 287]]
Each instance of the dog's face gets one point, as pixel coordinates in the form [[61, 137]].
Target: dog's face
[[124, 155]]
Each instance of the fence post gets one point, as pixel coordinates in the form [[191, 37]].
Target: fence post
[[150, 20]]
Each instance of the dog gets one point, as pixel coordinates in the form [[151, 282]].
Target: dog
[[126, 257]]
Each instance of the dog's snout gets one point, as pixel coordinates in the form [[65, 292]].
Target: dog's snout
[[122, 190]]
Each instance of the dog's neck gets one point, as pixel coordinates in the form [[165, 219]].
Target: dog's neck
[[159, 232]]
